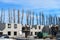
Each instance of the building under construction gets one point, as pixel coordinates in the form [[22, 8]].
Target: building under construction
[[12, 22]]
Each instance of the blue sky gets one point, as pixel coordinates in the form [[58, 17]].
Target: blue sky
[[47, 6]]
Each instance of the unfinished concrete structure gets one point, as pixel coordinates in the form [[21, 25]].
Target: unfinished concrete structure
[[35, 29], [10, 29], [14, 29]]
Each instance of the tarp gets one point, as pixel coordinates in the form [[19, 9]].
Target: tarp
[[45, 34]]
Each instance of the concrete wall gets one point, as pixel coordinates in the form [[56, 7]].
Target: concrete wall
[[36, 30], [12, 29]]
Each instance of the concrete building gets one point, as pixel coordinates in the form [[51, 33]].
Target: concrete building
[[12, 30], [35, 29]]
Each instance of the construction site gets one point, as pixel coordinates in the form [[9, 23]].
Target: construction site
[[18, 24]]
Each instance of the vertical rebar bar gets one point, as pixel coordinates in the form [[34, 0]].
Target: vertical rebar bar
[[27, 17], [4, 17], [22, 17], [33, 18], [9, 15], [18, 16], [37, 19], [40, 18], [30, 17], [14, 15], [1, 15]]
